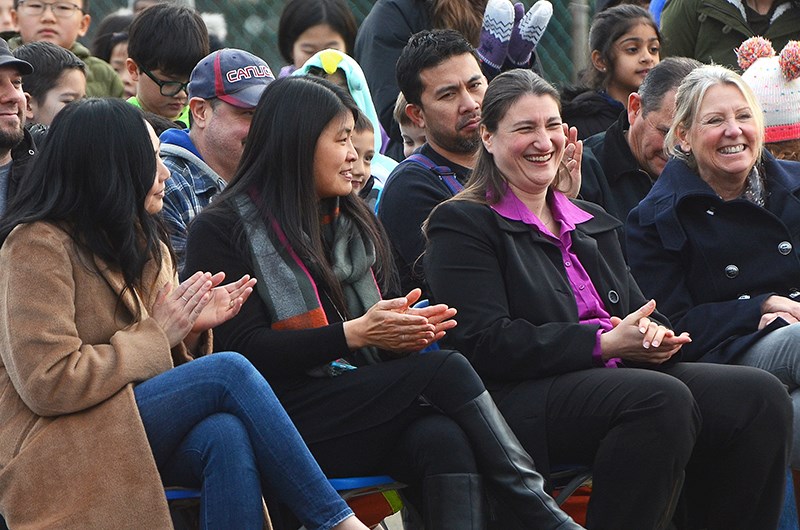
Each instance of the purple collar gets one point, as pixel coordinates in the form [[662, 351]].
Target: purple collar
[[563, 210]]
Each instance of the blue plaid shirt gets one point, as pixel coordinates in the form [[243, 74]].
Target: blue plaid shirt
[[190, 188]]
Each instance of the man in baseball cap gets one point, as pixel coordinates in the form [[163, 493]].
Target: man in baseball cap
[[16, 144], [224, 89]]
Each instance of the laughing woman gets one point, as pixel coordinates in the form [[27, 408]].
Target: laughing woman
[[579, 362], [341, 360], [722, 223]]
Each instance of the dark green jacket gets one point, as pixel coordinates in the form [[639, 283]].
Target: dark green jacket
[[101, 79], [710, 30]]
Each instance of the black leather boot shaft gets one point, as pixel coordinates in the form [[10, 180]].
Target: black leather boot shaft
[[455, 501], [507, 468]]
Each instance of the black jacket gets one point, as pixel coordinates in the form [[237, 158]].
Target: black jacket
[[711, 263], [21, 156], [381, 37], [517, 314], [610, 174], [591, 112]]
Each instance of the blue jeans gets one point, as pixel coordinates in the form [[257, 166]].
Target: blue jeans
[[779, 354], [215, 423]]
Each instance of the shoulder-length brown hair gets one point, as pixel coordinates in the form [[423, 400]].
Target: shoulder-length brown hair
[[502, 93]]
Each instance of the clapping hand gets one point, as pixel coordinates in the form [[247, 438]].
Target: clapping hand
[[176, 310], [198, 304], [225, 303], [394, 325], [440, 315], [573, 157]]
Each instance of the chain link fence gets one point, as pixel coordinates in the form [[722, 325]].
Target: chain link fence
[[253, 25]]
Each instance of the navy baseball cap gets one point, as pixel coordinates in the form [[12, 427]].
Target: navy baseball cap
[[7, 59], [234, 76]]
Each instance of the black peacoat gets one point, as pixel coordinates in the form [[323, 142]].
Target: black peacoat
[[711, 263]]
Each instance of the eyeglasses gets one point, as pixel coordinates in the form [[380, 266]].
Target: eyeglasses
[[59, 9], [168, 88]]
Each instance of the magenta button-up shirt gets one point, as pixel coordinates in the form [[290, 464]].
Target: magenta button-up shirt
[[591, 309]]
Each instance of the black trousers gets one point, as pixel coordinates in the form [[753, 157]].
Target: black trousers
[[420, 441], [712, 440]]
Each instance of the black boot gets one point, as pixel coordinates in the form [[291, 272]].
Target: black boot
[[507, 468], [454, 502]]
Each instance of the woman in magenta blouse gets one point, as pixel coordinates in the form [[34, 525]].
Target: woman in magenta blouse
[[580, 363]]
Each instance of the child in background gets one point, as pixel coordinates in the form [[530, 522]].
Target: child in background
[[58, 78], [62, 23], [364, 184], [625, 44], [338, 67], [165, 42], [8, 28], [309, 26], [111, 45], [413, 135]]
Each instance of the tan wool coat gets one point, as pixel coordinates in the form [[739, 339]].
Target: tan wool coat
[[73, 450]]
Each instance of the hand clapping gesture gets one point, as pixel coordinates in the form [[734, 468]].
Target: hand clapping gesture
[[198, 304], [573, 156], [394, 325]]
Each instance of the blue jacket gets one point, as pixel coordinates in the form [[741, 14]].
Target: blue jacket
[[709, 263]]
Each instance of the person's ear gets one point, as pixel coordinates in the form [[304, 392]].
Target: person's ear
[[683, 138], [487, 137], [30, 107], [201, 111], [86, 20], [133, 69], [598, 62], [416, 114], [634, 107]]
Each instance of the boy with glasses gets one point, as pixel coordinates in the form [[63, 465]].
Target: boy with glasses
[[165, 42], [61, 23]]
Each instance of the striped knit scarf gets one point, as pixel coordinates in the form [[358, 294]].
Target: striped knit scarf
[[286, 286]]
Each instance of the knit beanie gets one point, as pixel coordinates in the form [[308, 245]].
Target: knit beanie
[[775, 80]]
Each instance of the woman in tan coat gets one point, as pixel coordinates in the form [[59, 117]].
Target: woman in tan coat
[[94, 420]]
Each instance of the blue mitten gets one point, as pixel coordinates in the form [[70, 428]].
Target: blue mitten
[[527, 34], [498, 19]]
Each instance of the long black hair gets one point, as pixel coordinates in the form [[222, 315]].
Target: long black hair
[[278, 164], [92, 177]]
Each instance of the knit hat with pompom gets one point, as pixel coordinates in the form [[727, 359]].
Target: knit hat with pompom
[[776, 83]]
